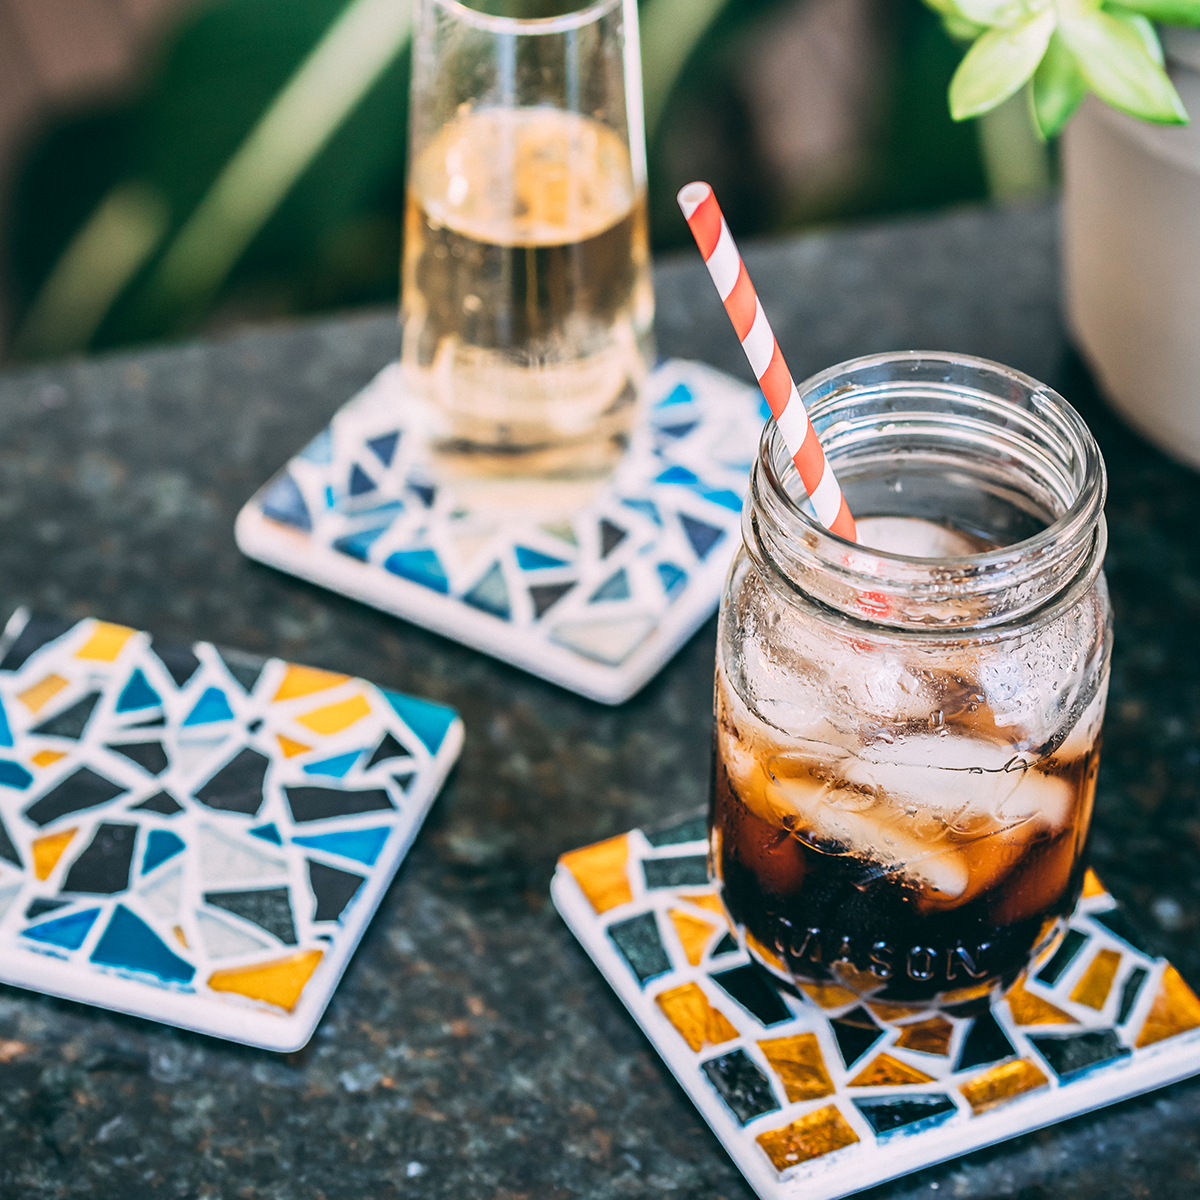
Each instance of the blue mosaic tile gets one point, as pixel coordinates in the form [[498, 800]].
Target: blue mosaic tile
[[419, 566], [14, 775], [212, 706], [67, 933], [427, 720], [283, 502], [384, 447], [160, 846], [360, 481], [491, 593], [536, 560], [336, 768], [129, 944], [137, 694], [615, 587]]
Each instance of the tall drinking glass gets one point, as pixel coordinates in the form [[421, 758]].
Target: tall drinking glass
[[527, 302]]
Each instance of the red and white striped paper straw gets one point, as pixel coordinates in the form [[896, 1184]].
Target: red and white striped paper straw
[[750, 322]]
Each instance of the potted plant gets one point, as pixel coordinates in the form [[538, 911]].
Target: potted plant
[[1131, 181]]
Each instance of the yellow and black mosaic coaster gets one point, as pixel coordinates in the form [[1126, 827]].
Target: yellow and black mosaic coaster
[[818, 1095], [195, 835]]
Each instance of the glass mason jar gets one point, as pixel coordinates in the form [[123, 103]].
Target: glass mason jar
[[907, 729]]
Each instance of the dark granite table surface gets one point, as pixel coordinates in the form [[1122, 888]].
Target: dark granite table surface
[[472, 1050]]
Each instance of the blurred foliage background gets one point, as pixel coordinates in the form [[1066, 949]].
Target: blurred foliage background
[[254, 166]]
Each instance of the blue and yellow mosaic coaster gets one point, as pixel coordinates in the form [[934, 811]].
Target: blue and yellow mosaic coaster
[[198, 836], [597, 600], [815, 1093]]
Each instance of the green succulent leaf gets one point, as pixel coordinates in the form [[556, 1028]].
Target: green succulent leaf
[[1058, 88], [1113, 57], [999, 63], [1169, 12], [1142, 27]]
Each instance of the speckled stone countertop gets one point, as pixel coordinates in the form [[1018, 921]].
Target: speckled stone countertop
[[472, 1050]]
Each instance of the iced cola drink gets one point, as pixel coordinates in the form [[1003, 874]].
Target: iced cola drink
[[907, 732]]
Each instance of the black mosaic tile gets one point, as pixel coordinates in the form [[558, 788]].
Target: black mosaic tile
[[1115, 921], [268, 908], [150, 722], [178, 658], [1078, 1053], [686, 871], [8, 851], [318, 803], [41, 906], [38, 631], [856, 1033], [692, 828], [546, 595], [73, 721], [751, 987], [1129, 993], [388, 748], [245, 668], [888, 1114], [160, 802], [333, 890], [83, 789], [103, 866], [985, 1043], [640, 945], [726, 945], [611, 536], [741, 1084], [1068, 950], [403, 780], [237, 786], [150, 756]]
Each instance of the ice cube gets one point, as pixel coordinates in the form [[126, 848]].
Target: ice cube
[[914, 537]]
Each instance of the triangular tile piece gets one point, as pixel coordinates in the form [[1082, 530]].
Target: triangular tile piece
[[490, 594], [751, 987], [886, 1071], [427, 720], [191, 755], [1115, 921], [238, 785], [358, 545], [384, 447], [14, 775], [48, 850], [83, 789], [985, 1043], [72, 722], [318, 803], [647, 508], [268, 908], [615, 587], [41, 906], [1030, 1009], [425, 492], [280, 983], [224, 858], [1079, 1054], [671, 577], [610, 642], [362, 845], [856, 1033], [677, 474], [8, 851], [725, 946], [160, 802], [223, 941], [268, 833], [161, 845], [162, 896], [679, 394], [283, 502], [245, 668], [360, 482], [701, 536], [388, 748], [678, 431], [1176, 1010], [212, 706], [611, 536], [402, 781], [333, 718], [36, 697], [304, 681], [546, 595], [103, 866], [1068, 950], [564, 531], [290, 748], [535, 560], [178, 658], [138, 694], [69, 932], [129, 944], [909, 1113], [725, 498], [320, 449], [419, 566], [106, 643], [6, 738], [694, 934], [336, 768], [150, 756], [47, 758], [37, 632], [333, 890], [1129, 993]]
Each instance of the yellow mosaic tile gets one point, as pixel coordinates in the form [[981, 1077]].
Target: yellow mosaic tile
[[694, 934], [812, 1136], [928, 1037], [107, 641], [1092, 885], [998, 1085], [1095, 984], [180, 936], [766, 954], [36, 698], [798, 1062], [828, 995], [333, 718], [710, 901], [886, 1071], [893, 1012], [600, 872], [1028, 1009], [48, 850], [303, 681], [1175, 1010], [45, 758], [279, 982], [291, 748], [698, 1023]]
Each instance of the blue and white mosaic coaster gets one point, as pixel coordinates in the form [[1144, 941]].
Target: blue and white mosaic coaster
[[195, 835], [816, 1093], [596, 601]]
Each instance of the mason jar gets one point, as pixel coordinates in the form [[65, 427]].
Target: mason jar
[[907, 729]]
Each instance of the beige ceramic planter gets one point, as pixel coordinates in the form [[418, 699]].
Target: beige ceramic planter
[[1131, 232]]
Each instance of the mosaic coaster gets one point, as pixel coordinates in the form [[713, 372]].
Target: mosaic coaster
[[196, 835], [597, 602], [820, 1095]]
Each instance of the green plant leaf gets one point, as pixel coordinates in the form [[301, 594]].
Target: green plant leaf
[[1058, 87], [1142, 27], [998, 64], [1118, 67], [1169, 12]]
